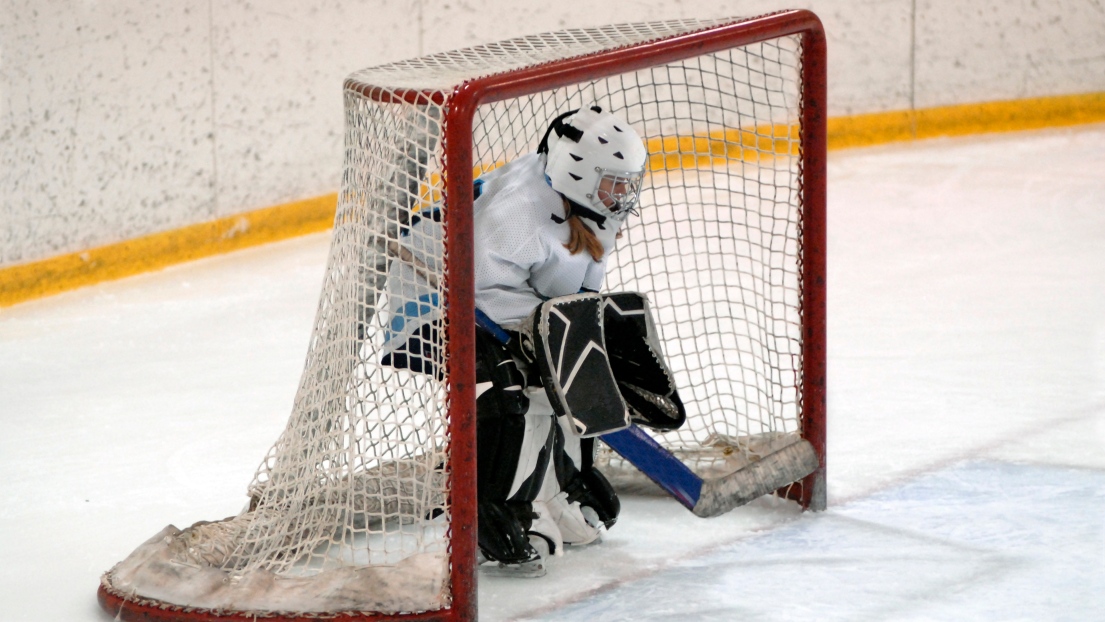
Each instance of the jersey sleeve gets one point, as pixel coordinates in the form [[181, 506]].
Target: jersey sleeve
[[412, 292]]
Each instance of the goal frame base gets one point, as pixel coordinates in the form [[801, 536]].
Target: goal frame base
[[150, 611]]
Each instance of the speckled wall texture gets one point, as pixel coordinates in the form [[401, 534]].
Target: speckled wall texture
[[120, 118]]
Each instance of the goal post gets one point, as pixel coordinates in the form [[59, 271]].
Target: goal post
[[365, 507]]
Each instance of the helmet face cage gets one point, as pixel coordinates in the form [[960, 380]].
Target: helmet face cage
[[617, 192]]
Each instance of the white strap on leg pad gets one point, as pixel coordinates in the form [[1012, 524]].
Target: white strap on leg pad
[[571, 356]]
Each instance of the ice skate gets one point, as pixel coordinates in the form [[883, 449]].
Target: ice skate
[[531, 568]]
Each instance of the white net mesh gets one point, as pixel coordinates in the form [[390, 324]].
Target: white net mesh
[[354, 492]]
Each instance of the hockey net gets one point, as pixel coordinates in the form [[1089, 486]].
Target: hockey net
[[365, 504]]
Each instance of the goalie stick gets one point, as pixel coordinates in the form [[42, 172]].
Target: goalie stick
[[713, 496]]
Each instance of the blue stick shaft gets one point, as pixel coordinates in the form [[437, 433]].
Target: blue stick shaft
[[657, 463]]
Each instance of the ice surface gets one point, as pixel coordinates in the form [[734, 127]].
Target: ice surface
[[966, 405], [980, 541]]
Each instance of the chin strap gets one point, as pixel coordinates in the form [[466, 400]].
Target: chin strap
[[585, 212]]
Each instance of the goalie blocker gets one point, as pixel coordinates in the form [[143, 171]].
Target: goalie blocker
[[601, 364]]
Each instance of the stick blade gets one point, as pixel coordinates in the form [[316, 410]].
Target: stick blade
[[773, 471]]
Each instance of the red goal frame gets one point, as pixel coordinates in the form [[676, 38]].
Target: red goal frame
[[460, 108]]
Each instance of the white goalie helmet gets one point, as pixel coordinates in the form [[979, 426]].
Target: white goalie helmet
[[597, 160]]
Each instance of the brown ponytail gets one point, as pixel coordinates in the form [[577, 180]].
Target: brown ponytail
[[581, 238]]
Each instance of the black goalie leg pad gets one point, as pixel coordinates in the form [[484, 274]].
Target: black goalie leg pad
[[500, 442], [593, 490], [637, 362], [503, 518], [584, 483], [500, 385], [571, 357], [502, 531]]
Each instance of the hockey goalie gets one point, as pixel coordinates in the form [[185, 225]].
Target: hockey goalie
[[557, 364]]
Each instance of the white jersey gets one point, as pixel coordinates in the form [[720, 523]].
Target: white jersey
[[520, 261], [520, 232]]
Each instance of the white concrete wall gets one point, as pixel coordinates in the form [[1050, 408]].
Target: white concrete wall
[[120, 118]]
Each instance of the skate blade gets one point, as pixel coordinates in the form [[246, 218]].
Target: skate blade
[[525, 570]]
